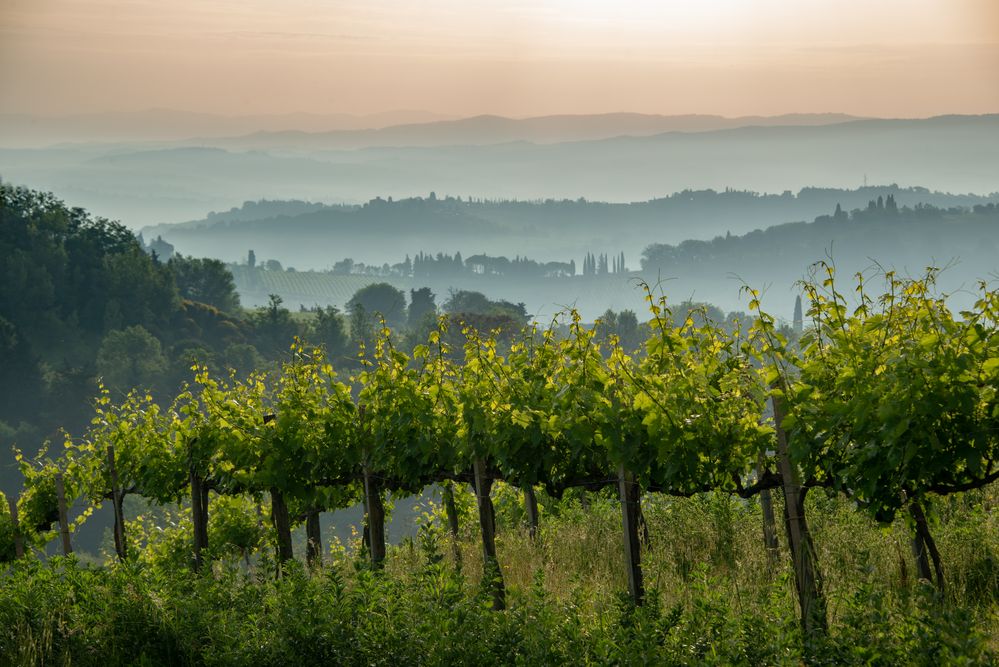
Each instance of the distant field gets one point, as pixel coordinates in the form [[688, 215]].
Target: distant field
[[302, 287]]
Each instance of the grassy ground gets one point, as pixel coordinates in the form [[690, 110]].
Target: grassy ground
[[714, 597]]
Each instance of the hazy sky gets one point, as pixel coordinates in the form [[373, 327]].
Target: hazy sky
[[513, 57]]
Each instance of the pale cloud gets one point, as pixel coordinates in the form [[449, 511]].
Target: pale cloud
[[891, 57]]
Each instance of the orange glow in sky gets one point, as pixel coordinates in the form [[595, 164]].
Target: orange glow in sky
[[513, 57]]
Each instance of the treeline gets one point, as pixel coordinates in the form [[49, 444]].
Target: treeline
[[445, 265], [899, 236], [699, 204], [543, 228]]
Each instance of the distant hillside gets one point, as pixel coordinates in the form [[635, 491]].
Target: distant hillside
[[24, 130], [907, 239], [144, 186], [384, 231], [483, 130]]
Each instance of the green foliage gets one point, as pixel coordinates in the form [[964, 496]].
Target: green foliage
[[330, 331], [274, 327], [234, 527], [205, 280], [896, 397], [420, 610], [129, 358], [7, 551], [890, 402], [380, 301]]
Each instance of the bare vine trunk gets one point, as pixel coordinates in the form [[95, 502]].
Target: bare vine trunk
[[67, 545], [376, 518], [314, 540], [282, 526], [924, 543], [117, 502], [452, 521], [199, 517], [531, 505], [769, 522]]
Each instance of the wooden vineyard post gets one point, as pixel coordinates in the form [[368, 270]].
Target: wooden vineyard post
[[769, 522], [629, 520], [531, 505], [376, 517], [491, 571], [16, 525], [67, 546], [452, 521], [808, 580], [314, 540], [199, 516], [116, 502], [282, 526]]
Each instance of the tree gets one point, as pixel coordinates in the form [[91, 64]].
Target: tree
[[251, 259], [275, 328], [242, 358], [421, 303], [205, 280], [131, 358], [627, 330], [344, 267], [330, 331], [465, 302], [797, 322], [380, 300]]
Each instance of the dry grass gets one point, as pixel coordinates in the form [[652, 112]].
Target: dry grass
[[716, 541]]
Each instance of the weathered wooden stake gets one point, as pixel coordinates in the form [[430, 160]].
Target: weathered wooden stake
[[314, 540], [491, 571], [120, 546], [376, 517], [808, 579], [67, 547], [531, 505], [282, 526], [447, 491], [630, 499], [16, 525]]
